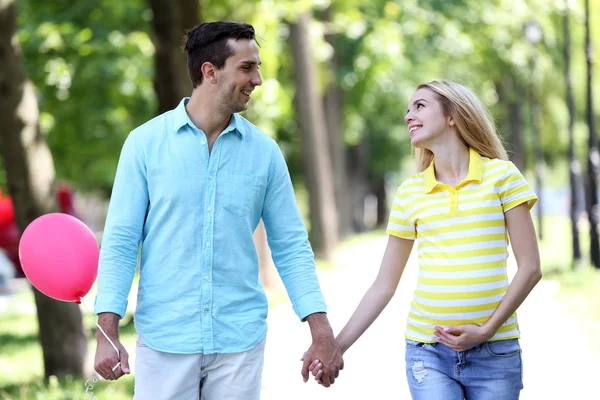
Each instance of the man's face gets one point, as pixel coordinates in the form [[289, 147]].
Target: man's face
[[239, 76]]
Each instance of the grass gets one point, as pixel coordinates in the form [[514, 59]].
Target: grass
[[21, 362]]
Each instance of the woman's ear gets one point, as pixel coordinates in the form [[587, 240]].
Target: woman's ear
[[451, 121]]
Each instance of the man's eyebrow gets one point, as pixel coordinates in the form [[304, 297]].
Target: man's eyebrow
[[250, 62], [415, 102]]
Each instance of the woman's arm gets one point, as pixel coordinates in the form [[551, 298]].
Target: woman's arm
[[375, 300], [525, 249], [380, 293]]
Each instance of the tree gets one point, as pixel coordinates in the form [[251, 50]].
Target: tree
[[171, 19], [30, 176], [539, 159], [316, 159], [334, 106], [574, 167], [593, 159], [510, 93], [92, 68]]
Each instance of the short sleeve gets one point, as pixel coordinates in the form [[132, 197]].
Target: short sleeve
[[400, 225], [514, 189]]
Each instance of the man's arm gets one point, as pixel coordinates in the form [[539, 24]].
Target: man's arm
[[122, 230], [294, 259], [119, 255], [288, 240]]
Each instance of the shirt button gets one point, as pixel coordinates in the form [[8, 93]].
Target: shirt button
[[205, 310], [207, 244], [206, 278], [210, 177], [209, 209], [203, 143]]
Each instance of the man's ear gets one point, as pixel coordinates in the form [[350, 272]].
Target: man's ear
[[209, 71]]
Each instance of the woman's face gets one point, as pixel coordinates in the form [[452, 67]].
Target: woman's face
[[426, 120]]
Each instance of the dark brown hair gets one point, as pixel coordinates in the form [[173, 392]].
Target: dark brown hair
[[208, 43]]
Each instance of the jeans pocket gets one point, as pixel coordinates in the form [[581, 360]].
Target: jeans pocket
[[503, 348], [240, 193]]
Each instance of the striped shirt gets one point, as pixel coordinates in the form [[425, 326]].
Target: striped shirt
[[462, 244]]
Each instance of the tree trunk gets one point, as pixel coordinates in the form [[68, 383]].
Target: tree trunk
[[171, 19], [539, 165], [30, 175], [510, 94], [382, 208], [538, 152], [516, 134], [315, 146], [334, 107], [574, 167], [593, 156], [267, 271], [358, 165]]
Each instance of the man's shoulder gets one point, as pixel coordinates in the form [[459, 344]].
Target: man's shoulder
[[152, 128]]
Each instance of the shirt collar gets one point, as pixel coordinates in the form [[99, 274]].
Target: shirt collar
[[475, 173], [181, 118]]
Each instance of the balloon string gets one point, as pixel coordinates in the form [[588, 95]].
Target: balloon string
[[104, 333]]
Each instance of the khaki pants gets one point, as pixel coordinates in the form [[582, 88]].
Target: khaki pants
[[167, 376]]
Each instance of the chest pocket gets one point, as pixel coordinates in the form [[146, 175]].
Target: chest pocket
[[241, 191]]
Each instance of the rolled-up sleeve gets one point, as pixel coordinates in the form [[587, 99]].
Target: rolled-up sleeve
[[288, 240], [123, 230]]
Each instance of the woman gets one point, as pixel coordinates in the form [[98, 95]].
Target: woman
[[462, 332]]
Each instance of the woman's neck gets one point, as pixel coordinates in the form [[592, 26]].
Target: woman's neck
[[451, 162]]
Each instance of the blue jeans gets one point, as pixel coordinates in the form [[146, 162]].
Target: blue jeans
[[488, 371]]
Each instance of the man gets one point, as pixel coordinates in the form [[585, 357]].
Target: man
[[191, 187]]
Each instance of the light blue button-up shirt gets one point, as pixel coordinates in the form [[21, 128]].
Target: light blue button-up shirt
[[194, 213]]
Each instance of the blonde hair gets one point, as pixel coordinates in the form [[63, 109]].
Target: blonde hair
[[474, 123]]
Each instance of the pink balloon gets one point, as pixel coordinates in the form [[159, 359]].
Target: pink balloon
[[59, 255]]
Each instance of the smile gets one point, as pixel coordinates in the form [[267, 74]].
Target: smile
[[414, 128]]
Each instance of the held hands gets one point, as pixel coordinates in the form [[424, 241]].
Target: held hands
[[327, 354], [462, 338], [107, 364]]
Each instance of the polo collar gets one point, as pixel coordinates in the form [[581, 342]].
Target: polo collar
[[475, 173]]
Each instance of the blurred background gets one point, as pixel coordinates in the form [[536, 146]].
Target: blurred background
[[77, 77]]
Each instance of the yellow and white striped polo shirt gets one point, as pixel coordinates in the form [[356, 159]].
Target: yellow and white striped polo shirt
[[462, 244]]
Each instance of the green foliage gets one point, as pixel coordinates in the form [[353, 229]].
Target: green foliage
[[92, 63]]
